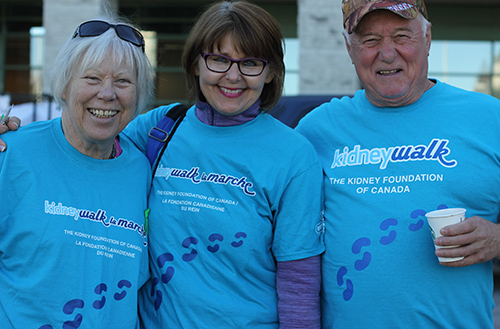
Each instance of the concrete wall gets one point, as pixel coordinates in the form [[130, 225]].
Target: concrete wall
[[60, 19], [325, 66]]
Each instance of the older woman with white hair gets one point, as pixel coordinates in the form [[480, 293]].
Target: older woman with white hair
[[73, 192]]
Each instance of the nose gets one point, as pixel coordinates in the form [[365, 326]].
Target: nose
[[387, 51], [107, 90], [233, 74]]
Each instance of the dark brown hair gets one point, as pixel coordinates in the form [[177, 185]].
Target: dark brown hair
[[255, 33]]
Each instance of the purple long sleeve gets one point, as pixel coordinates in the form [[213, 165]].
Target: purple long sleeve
[[298, 284]]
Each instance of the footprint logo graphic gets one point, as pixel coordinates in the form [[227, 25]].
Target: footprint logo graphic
[[420, 223], [189, 243], [158, 300], [169, 273], [165, 277], [158, 293], [186, 244], [442, 206], [349, 291], [123, 294], [154, 283], [212, 238], [367, 257], [239, 235], [99, 289], [69, 308], [384, 226], [76, 323]]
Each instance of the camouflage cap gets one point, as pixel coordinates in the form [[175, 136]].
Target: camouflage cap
[[354, 10]]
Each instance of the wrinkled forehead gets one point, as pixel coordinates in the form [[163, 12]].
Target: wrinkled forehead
[[382, 19], [115, 58]]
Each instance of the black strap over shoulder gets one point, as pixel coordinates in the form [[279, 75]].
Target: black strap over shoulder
[[161, 134]]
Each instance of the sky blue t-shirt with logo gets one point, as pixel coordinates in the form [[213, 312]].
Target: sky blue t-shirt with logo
[[73, 246], [384, 168], [226, 204]]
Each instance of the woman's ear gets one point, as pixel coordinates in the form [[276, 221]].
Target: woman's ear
[[63, 97], [270, 77], [197, 68]]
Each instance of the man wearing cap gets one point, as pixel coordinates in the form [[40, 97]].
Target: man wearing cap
[[402, 146]]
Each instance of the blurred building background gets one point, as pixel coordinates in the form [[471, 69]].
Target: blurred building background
[[465, 50]]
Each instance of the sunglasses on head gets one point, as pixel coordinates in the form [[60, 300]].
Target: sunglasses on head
[[124, 32]]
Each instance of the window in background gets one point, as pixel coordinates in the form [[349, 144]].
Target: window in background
[[17, 68], [496, 70], [37, 36], [170, 81], [292, 53], [471, 65]]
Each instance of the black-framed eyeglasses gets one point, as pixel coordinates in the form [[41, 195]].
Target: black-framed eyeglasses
[[221, 64], [124, 32]]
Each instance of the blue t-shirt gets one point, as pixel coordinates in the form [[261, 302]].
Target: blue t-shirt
[[73, 248], [226, 204], [384, 168]]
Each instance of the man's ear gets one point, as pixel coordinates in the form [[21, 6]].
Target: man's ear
[[428, 38], [347, 45]]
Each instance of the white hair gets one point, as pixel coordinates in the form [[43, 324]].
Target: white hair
[[82, 53]]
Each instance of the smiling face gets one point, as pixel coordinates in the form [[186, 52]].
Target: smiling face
[[230, 93], [390, 56], [100, 103]]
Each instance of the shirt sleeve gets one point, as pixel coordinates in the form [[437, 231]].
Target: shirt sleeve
[[299, 222], [137, 130]]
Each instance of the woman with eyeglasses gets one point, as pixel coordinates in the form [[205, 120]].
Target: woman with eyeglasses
[[73, 191], [235, 225]]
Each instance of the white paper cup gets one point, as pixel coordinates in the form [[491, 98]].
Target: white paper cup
[[440, 218]]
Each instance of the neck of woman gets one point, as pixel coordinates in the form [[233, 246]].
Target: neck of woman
[[209, 115], [103, 150]]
